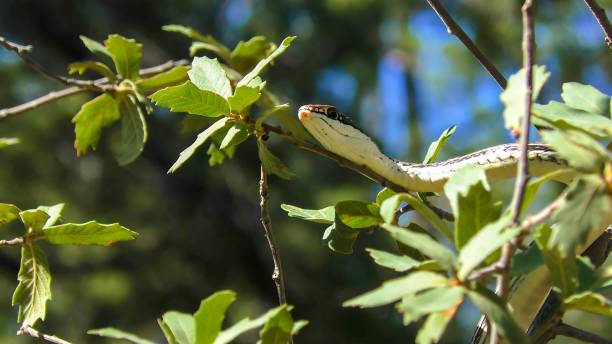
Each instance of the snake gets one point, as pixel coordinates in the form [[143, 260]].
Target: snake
[[337, 133]]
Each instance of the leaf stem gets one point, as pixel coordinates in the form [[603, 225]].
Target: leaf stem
[[600, 15], [454, 29], [36, 334]]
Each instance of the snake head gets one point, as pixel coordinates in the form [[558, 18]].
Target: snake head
[[328, 111]]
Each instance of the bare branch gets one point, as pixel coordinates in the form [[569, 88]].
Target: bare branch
[[277, 275], [454, 29], [16, 241], [600, 15], [36, 334], [55, 95], [523, 163], [573, 332]]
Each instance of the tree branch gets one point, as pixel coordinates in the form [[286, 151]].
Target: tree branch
[[35, 334], [523, 163], [573, 332], [454, 29], [600, 15], [277, 275], [16, 241], [55, 95]]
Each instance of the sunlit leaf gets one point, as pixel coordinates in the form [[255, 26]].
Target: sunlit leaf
[[564, 117], [211, 43], [89, 233], [127, 55], [246, 54], [590, 302], [173, 77], [586, 98], [110, 332], [8, 213], [340, 237], [34, 219], [383, 194], [278, 328], [133, 131], [580, 150], [209, 317], [34, 289], [271, 163], [394, 289], [243, 97], [356, 214], [325, 215], [433, 327], [182, 326], [563, 270], [436, 146], [8, 141], [94, 115], [188, 98], [97, 49], [235, 135], [392, 204], [245, 325], [513, 96], [393, 261], [208, 75], [202, 137], [439, 299], [263, 63], [54, 212]]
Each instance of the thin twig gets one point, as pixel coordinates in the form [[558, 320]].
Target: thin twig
[[23, 51], [36, 334], [523, 163], [573, 332], [277, 275], [600, 15], [16, 241], [454, 29], [55, 95]]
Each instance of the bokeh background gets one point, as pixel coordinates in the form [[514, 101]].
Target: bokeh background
[[390, 64]]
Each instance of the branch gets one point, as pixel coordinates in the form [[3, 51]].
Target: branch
[[277, 275], [23, 51], [573, 332], [16, 241], [600, 15], [55, 95], [33, 333], [454, 29], [523, 163]]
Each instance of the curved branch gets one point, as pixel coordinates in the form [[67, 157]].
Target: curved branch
[[600, 15]]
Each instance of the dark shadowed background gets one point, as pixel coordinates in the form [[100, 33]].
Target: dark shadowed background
[[390, 64]]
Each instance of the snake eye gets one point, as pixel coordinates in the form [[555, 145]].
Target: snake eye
[[332, 113]]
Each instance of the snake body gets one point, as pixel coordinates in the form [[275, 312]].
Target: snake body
[[336, 133]]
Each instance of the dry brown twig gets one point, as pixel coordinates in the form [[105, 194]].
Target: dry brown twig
[[36, 334], [602, 19]]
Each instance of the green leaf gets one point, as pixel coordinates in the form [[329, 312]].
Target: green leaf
[[356, 214], [532, 188], [393, 261], [246, 54], [34, 289], [54, 212], [439, 299], [89, 233], [340, 237], [188, 98], [497, 312], [167, 332], [563, 270], [271, 111], [126, 54], [263, 63], [271, 163], [527, 261], [236, 134], [210, 42], [325, 215], [491, 238], [470, 198], [94, 115], [581, 151], [111, 332], [391, 204], [34, 219], [202, 137], [243, 97], [182, 326], [586, 98], [98, 67], [8, 141], [590, 302], [586, 203], [8, 213], [133, 131], [424, 244], [433, 328], [209, 317], [278, 328], [383, 194], [564, 117], [172, 77], [513, 96], [247, 324], [208, 75], [436, 146], [395, 289], [98, 49]]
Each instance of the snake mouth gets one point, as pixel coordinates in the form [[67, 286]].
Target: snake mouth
[[303, 113]]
